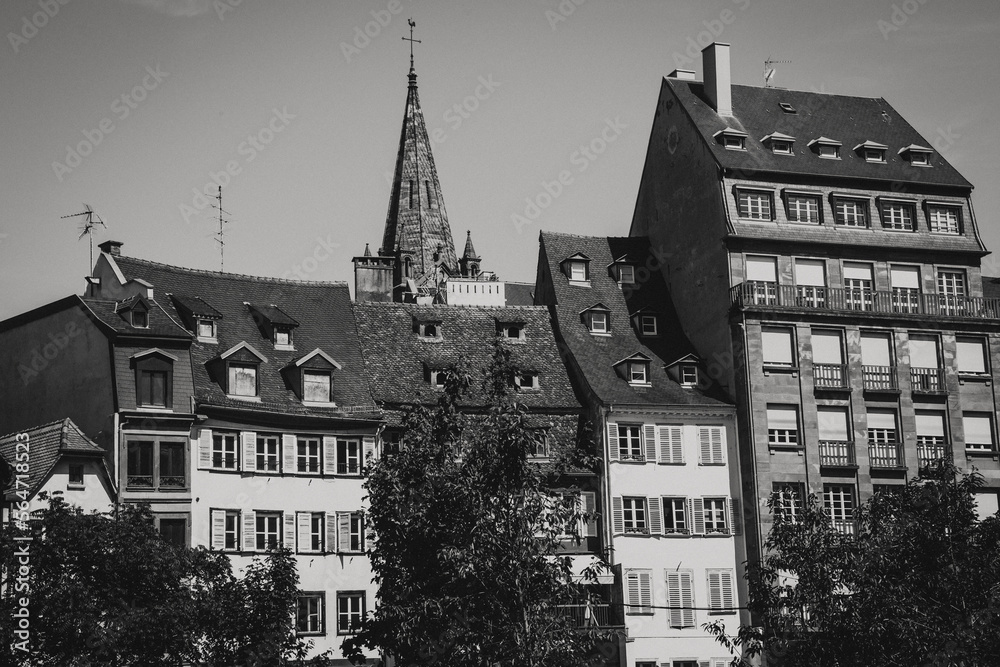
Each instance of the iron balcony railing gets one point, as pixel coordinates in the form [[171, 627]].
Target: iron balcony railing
[[885, 454], [880, 378], [759, 293], [587, 615], [845, 526], [836, 453], [930, 454], [830, 376], [927, 380]]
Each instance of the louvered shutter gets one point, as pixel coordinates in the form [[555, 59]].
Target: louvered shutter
[[697, 513], [368, 447], [249, 530], [655, 515], [613, 442], [674, 612], [249, 441], [218, 538], [646, 592], [632, 581], [303, 521], [617, 515], [687, 598], [733, 507], [287, 453], [649, 438], [329, 455], [671, 444], [704, 445], [330, 519], [590, 508], [288, 519], [721, 662], [726, 581], [343, 532], [718, 438], [704, 663], [715, 591], [711, 442], [205, 449]]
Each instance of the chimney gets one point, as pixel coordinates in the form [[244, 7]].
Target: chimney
[[718, 80], [113, 248], [682, 74]]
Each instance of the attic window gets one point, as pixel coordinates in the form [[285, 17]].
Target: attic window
[[526, 380], [140, 318], [242, 379], [283, 338], [647, 325], [638, 372], [316, 386], [598, 322], [689, 375], [578, 271], [511, 330], [920, 159], [436, 378], [787, 108], [206, 329], [429, 330], [781, 147], [734, 143], [626, 274], [829, 152], [874, 155]]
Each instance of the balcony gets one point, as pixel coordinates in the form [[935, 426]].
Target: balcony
[[879, 378], [837, 454], [592, 615], [754, 294], [927, 380], [844, 526], [885, 455], [830, 376], [929, 454]]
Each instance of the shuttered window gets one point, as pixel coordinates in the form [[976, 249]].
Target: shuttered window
[[680, 599], [639, 589], [721, 599], [924, 352], [978, 429], [712, 445], [762, 269], [827, 347], [671, 441]]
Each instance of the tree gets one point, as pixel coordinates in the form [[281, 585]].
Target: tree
[[918, 583], [467, 544], [107, 590]]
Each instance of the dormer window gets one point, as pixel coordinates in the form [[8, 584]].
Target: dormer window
[[874, 155], [597, 318], [206, 329], [317, 386], [242, 379], [780, 144], [787, 108], [689, 375], [526, 380], [920, 159], [283, 338], [513, 331], [647, 325], [274, 324], [919, 156], [240, 370], [577, 269], [626, 274], [826, 148], [428, 329], [872, 151], [638, 372], [154, 371], [311, 378], [435, 377], [732, 140], [140, 318]]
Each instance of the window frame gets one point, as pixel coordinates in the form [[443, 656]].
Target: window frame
[[591, 320], [646, 318], [845, 511], [134, 321], [984, 346], [636, 507], [717, 515], [862, 207], [931, 207], [156, 442], [319, 596], [199, 323], [345, 458], [723, 590], [776, 440], [302, 460], [814, 197], [76, 477], [979, 448], [572, 267], [635, 378], [343, 596], [677, 504], [285, 332], [744, 212], [145, 368], [264, 439], [688, 374], [886, 204], [265, 516], [636, 447], [789, 501], [429, 330], [504, 330], [769, 364], [232, 366], [220, 438], [325, 373], [620, 271], [833, 149]]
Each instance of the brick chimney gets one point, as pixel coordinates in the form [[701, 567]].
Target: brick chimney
[[718, 79], [113, 248]]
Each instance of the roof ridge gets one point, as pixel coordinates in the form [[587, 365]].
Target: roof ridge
[[34, 428], [238, 276]]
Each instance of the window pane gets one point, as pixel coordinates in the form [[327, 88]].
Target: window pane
[[827, 348], [777, 345], [316, 386], [854, 271], [986, 504], [905, 277], [923, 352], [833, 424], [171, 464], [882, 419], [978, 430], [930, 424], [875, 350], [173, 531], [140, 458], [971, 355], [242, 380], [764, 269], [782, 418], [810, 272]]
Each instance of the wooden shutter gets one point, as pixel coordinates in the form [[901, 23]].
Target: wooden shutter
[[674, 612], [671, 444], [288, 519], [205, 449], [726, 581], [646, 592], [617, 515], [249, 530], [330, 520], [589, 507], [368, 448], [687, 598], [718, 444], [303, 525], [653, 506], [733, 507], [343, 532], [218, 537], [715, 591], [249, 441], [287, 453], [697, 513], [649, 440], [710, 440], [632, 594], [612, 441], [329, 455]]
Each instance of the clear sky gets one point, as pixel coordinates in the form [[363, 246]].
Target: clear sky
[[305, 109]]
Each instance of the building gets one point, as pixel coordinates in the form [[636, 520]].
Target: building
[[671, 477], [826, 262]]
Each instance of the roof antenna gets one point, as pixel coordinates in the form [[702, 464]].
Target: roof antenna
[[769, 69], [91, 219], [220, 237]]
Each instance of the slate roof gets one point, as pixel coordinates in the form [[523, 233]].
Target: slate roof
[[396, 357], [325, 321], [848, 120], [991, 287], [597, 355], [519, 294], [162, 322], [46, 444]]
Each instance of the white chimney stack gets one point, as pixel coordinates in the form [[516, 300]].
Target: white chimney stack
[[718, 79]]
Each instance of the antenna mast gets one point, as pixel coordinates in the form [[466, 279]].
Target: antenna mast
[[769, 69], [91, 220], [220, 237]]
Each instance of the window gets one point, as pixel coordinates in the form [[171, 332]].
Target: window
[[680, 599], [429, 329], [944, 219], [930, 436], [348, 456], [715, 516], [268, 453], [173, 530], [951, 288], [282, 337], [883, 439], [578, 271], [858, 285], [526, 380], [926, 373], [628, 441], [540, 447], [511, 330], [309, 531], [850, 212], [987, 504], [689, 375], [836, 446], [781, 147], [309, 614], [898, 215], [978, 428], [242, 379], [155, 464], [875, 155], [350, 532], [829, 371], [762, 279], [639, 589], [905, 283], [316, 386], [140, 318], [225, 527], [153, 379], [597, 322], [626, 274], [789, 501], [810, 282], [778, 347], [802, 208], [734, 143], [634, 515], [782, 425], [829, 152], [75, 475], [638, 372], [307, 454], [224, 455], [206, 329], [971, 356], [876, 359], [268, 530], [755, 204], [838, 505], [436, 377], [675, 517], [712, 445], [920, 159], [350, 611], [720, 592], [647, 325], [671, 443]]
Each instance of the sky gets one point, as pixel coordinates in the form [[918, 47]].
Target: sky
[[136, 107]]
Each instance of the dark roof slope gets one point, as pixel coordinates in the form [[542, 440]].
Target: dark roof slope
[[519, 294], [597, 355], [396, 357], [323, 313], [46, 443], [161, 321], [849, 120]]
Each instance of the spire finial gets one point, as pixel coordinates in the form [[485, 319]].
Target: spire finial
[[411, 41]]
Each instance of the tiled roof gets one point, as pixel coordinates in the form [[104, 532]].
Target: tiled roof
[[194, 305], [519, 294], [46, 443], [396, 357], [597, 355], [322, 311], [848, 120], [161, 321], [991, 287]]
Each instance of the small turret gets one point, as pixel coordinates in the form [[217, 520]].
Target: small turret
[[470, 260]]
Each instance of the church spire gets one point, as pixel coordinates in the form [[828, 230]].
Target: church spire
[[417, 220]]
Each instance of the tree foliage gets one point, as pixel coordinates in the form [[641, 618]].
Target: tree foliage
[[918, 583], [468, 538], [107, 590]]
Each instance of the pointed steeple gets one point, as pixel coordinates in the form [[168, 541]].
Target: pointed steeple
[[470, 260], [417, 220]]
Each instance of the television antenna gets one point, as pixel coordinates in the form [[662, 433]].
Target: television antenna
[[90, 220], [769, 69], [220, 238]]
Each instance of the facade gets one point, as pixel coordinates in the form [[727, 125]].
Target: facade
[[827, 263], [671, 477]]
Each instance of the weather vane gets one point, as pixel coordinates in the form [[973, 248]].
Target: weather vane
[[411, 40]]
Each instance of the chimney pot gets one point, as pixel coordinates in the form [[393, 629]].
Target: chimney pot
[[682, 74], [113, 248], [718, 77]]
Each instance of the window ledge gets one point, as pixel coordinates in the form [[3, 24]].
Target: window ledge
[[579, 283], [147, 408], [200, 339], [604, 334], [671, 463], [249, 399], [287, 348], [981, 452], [76, 487], [319, 404], [774, 368], [641, 384], [712, 463]]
